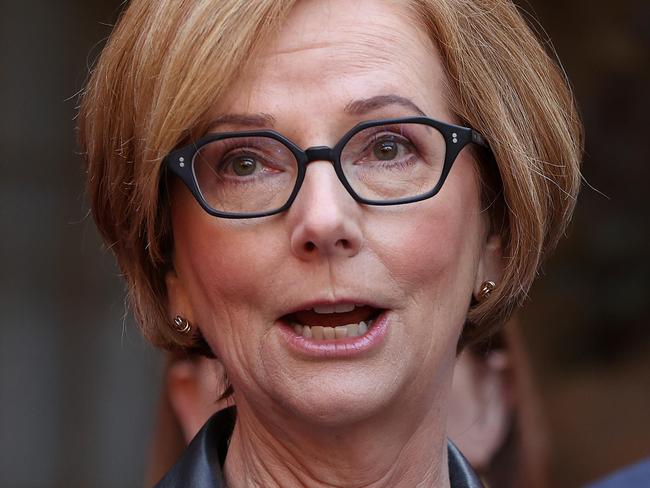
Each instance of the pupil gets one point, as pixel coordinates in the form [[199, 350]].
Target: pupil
[[244, 166], [386, 151]]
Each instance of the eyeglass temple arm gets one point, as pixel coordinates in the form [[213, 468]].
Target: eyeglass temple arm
[[479, 139]]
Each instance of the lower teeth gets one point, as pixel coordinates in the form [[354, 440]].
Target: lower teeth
[[319, 333]]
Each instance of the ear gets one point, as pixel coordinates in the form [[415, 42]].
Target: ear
[[490, 265], [178, 298]]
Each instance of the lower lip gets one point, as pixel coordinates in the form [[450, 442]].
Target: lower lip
[[337, 348]]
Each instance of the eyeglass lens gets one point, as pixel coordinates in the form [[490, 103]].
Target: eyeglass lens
[[381, 163]]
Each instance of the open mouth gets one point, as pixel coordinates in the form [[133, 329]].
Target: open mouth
[[330, 322]]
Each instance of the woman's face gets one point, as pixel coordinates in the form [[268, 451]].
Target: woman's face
[[334, 64]]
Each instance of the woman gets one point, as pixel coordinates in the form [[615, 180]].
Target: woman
[[336, 283]]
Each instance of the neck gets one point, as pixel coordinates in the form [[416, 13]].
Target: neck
[[401, 449]]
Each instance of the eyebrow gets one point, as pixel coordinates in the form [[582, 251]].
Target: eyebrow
[[363, 106], [354, 107], [244, 120]]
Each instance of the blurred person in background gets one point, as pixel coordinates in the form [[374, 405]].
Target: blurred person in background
[[335, 284]]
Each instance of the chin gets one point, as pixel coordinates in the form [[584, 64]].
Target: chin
[[337, 396]]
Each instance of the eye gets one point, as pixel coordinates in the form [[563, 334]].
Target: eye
[[386, 150], [243, 165], [389, 148]]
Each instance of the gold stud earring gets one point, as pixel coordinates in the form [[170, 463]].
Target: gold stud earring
[[486, 289], [179, 324]]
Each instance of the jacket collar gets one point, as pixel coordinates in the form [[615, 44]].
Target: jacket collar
[[200, 464]]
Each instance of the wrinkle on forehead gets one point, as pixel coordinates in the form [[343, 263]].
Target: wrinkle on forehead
[[320, 25]]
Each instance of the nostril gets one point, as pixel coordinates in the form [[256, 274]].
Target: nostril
[[312, 241], [309, 246], [342, 243]]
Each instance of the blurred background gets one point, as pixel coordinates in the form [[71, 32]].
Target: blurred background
[[78, 385]]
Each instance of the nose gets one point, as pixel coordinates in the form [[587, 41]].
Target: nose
[[324, 218]]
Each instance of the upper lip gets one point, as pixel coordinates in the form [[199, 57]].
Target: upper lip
[[321, 303]]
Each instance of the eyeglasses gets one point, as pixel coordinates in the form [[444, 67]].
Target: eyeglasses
[[251, 174]]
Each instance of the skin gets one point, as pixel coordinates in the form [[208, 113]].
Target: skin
[[377, 419], [479, 417]]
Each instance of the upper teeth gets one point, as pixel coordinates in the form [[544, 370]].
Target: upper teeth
[[338, 308], [328, 333]]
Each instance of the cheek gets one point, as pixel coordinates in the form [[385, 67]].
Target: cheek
[[223, 266], [224, 269], [437, 245]]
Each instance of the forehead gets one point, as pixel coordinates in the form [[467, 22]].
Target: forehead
[[329, 53], [360, 31]]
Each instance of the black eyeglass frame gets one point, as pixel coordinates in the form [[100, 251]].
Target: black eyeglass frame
[[181, 161]]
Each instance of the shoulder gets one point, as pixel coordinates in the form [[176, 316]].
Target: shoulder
[[634, 476]]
